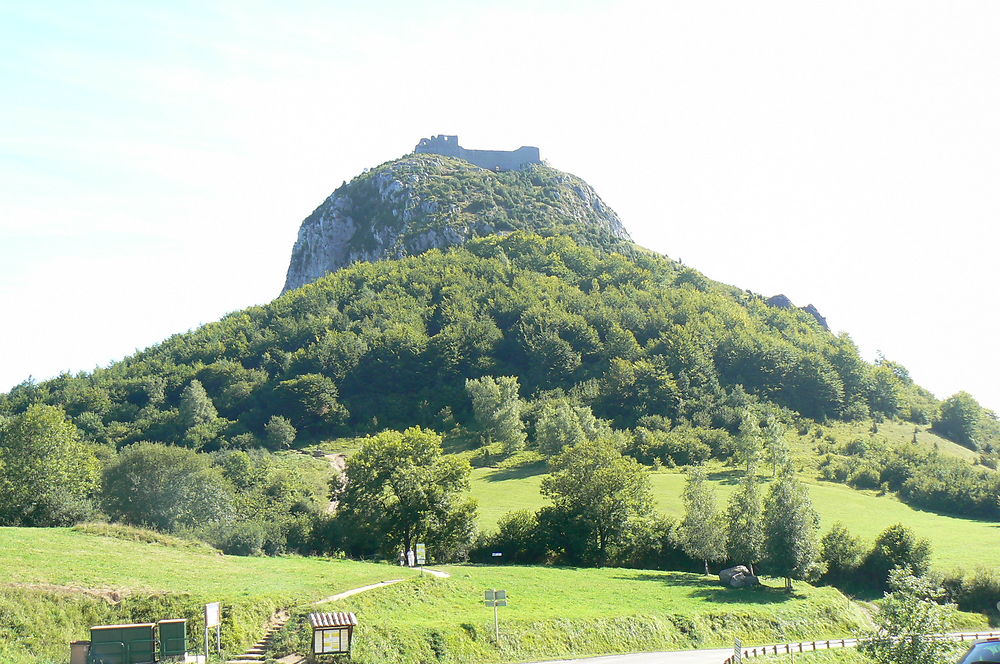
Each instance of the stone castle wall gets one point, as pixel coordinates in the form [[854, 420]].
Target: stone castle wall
[[494, 160]]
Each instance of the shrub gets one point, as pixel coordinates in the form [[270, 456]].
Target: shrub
[[896, 548]]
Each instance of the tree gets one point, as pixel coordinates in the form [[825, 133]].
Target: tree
[[597, 493], [310, 403], [703, 530], [518, 538], [749, 440], [959, 418], [897, 546], [562, 425], [777, 447], [909, 613], [497, 407], [279, 433], [47, 474], [198, 416], [841, 553], [400, 490], [166, 488], [196, 407], [745, 522], [790, 525]]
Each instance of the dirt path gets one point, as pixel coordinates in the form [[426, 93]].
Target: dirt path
[[438, 573], [355, 591]]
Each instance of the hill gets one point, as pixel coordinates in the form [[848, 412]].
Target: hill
[[590, 336], [427, 201], [57, 582], [392, 343]]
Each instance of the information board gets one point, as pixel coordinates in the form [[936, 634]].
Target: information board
[[331, 641], [213, 615], [421, 554]]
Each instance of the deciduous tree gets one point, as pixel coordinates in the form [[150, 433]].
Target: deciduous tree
[[497, 407], [400, 490], [703, 529], [598, 493], [47, 474], [790, 525], [745, 522], [911, 611]]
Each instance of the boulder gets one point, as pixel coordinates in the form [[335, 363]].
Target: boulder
[[738, 577], [727, 574], [744, 581]]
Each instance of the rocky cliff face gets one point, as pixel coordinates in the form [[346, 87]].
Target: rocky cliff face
[[424, 201]]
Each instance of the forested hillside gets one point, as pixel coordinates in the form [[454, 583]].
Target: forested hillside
[[512, 341], [391, 344]]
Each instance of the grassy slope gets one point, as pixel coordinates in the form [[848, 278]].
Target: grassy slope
[[556, 612], [955, 542], [55, 583], [62, 557]]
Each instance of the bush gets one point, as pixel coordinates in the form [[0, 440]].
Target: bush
[[865, 477], [896, 548], [166, 488], [976, 592], [841, 553], [518, 538], [682, 446]]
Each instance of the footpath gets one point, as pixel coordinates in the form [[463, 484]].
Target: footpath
[[255, 654]]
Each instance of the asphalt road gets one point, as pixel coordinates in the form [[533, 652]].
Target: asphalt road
[[664, 657], [719, 655]]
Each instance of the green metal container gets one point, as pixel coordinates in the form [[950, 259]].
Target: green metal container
[[173, 638], [122, 644]]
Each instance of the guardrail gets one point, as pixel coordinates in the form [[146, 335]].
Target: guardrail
[[809, 646]]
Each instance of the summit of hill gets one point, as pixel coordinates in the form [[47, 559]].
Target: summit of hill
[[428, 200]]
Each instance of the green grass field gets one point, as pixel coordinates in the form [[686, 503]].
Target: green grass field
[[560, 612], [56, 582], [63, 558], [955, 542]]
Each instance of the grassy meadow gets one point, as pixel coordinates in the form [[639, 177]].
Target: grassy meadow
[[64, 558], [956, 542], [561, 612], [57, 582]]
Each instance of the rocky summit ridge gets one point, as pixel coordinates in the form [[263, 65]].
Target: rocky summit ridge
[[429, 201]]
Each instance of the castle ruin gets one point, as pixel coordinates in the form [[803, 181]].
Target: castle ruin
[[494, 160]]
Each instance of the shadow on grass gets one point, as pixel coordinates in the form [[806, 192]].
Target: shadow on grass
[[518, 472], [715, 592], [727, 476]]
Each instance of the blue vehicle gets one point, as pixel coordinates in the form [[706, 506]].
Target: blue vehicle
[[986, 651]]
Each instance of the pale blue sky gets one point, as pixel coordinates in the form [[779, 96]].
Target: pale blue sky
[[156, 159]]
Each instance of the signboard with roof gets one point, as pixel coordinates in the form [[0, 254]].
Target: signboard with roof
[[332, 632]]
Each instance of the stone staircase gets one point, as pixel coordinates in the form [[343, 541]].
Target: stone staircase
[[255, 654]]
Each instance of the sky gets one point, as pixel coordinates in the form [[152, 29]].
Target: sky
[[156, 161]]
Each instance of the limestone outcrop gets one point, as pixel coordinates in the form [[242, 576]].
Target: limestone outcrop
[[428, 201], [781, 301]]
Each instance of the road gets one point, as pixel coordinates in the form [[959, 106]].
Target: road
[[719, 655], [715, 656]]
